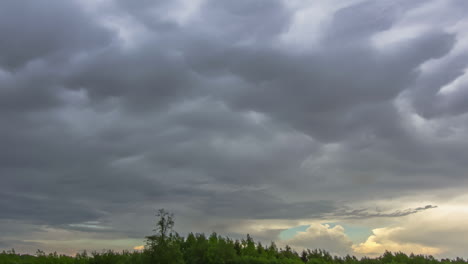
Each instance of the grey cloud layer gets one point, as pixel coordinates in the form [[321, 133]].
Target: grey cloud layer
[[363, 213], [215, 113]]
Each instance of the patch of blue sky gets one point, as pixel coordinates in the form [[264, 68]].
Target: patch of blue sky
[[356, 233], [291, 232]]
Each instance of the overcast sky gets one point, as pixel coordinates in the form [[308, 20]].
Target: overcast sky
[[323, 123]]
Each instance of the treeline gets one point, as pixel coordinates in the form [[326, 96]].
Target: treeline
[[167, 247], [207, 251]]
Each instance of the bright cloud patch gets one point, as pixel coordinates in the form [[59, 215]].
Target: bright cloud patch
[[382, 241], [440, 232], [323, 236], [139, 247]]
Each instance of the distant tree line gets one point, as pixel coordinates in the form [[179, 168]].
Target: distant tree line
[[168, 247]]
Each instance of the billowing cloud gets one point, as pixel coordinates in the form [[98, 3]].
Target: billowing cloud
[[438, 232], [322, 236], [380, 242]]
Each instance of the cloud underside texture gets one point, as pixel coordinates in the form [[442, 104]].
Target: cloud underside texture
[[226, 110]]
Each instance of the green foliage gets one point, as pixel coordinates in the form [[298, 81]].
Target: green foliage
[[197, 249], [167, 247], [164, 247]]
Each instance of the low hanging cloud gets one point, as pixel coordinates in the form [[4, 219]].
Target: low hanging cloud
[[364, 213]]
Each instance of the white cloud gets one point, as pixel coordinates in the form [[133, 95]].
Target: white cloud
[[323, 236], [382, 240], [440, 232]]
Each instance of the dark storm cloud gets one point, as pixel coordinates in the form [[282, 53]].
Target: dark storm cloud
[[261, 206], [323, 94], [38, 39], [428, 100], [107, 113], [45, 210], [44, 29], [144, 78], [162, 70], [237, 20]]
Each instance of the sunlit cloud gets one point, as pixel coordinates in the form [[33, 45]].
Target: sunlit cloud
[[381, 241], [142, 247]]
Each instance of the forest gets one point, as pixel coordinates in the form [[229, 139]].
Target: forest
[[168, 247]]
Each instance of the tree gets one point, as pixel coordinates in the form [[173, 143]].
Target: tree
[[164, 225], [248, 247], [164, 246]]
